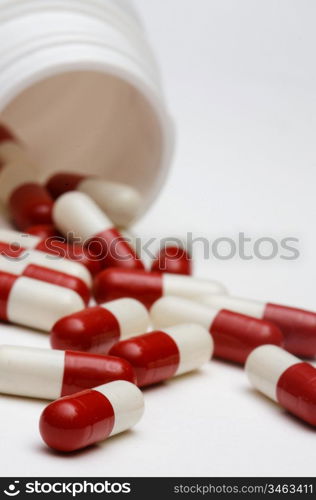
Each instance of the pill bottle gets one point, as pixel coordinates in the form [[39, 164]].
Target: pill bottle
[[80, 85]]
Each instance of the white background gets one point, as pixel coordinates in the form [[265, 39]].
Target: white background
[[240, 79]]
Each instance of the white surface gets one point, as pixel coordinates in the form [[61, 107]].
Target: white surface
[[186, 286], [31, 372], [131, 315], [170, 311], [264, 367], [241, 81], [253, 308], [195, 346], [77, 214], [39, 305], [127, 402]]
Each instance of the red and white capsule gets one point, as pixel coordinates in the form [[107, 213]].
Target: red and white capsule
[[297, 325], [34, 303], [96, 329], [148, 287], [285, 379], [160, 355], [11, 241], [50, 374], [45, 267], [85, 418], [121, 202], [173, 260], [28, 201], [78, 214], [235, 335]]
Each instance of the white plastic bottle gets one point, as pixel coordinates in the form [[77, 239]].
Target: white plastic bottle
[[79, 83]]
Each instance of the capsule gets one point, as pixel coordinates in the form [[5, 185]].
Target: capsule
[[162, 354], [49, 374], [29, 204], [173, 260], [45, 267], [28, 201], [96, 329], [43, 231], [34, 303], [85, 418], [121, 202], [285, 379], [78, 213], [297, 325], [13, 240], [235, 335], [148, 287]]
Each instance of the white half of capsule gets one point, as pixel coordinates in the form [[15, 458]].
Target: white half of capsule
[[14, 175], [31, 372], [186, 286], [23, 240], [131, 315], [252, 308], [265, 365], [169, 311], [17, 265], [39, 305], [127, 402], [121, 202], [78, 215], [195, 346]]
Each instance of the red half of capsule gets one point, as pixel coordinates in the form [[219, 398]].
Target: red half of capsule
[[13, 250], [236, 335], [114, 250], [173, 260], [75, 252], [6, 135], [59, 279], [43, 231], [298, 327], [6, 283], [296, 391], [77, 421], [85, 371], [154, 356], [61, 183], [115, 283], [30, 204], [94, 329]]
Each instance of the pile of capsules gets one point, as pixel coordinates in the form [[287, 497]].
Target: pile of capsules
[[103, 354]]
